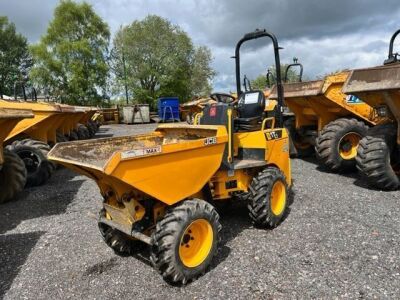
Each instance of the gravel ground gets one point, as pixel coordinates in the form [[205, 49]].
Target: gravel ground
[[340, 240]]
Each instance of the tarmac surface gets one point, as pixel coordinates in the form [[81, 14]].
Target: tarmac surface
[[340, 240]]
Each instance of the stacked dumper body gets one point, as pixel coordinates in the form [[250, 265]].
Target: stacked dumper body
[[13, 173]]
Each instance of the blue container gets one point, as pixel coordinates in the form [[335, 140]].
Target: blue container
[[168, 109]]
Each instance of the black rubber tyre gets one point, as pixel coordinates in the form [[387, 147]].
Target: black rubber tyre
[[172, 235], [73, 136], [93, 124], [377, 158], [266, 207], [83, 132], [12, 176], [121, 243], [297, 148], [91, 128], [337, 138], [61, 138], [34, 155]]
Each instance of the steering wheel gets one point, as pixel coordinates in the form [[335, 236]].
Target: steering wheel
[[224, 98]]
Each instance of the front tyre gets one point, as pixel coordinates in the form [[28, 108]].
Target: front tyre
[[12, 176], [377, 158], [185, 241], [34, 155]]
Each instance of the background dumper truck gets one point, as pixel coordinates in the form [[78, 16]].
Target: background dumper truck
[[378, 156]]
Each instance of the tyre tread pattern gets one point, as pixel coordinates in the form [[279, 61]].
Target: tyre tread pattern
[[164, 257], [12, 176], [326, 144], [259, 205], [372, 158]]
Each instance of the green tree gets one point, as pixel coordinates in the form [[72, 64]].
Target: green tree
[[71, 59], [155, 58], [14, 57], [202, 73], [260, 82]]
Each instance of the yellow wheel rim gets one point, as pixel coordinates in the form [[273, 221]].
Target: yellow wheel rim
[[278, 198], [196, 243], [348, 145]]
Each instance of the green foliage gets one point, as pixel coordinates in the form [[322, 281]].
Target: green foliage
[[70, 61], [260, 82], [160, 60], [14, 57], [201, 72]]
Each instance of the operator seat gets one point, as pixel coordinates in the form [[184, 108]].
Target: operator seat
[[250, 109]]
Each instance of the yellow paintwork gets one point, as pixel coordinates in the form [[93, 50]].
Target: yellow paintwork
[[278, 198], [41, 126], [196, 243], [9, 118], [379, 87], [48, 119], [171, 164], [348, 145], [325, 104], [270, 105], [218, 188], [276, 150], [184, 165]]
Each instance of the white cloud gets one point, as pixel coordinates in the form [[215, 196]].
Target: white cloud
[[325, 36]]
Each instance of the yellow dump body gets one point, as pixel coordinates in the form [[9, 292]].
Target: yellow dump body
[[41, 127], [169, 164], [89, 112], [322, 101], [9, 118], [379, 86]]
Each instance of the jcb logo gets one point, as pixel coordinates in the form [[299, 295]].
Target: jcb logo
[[210, 141]]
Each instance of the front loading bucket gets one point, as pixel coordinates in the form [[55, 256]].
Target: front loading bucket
[[170, 164]]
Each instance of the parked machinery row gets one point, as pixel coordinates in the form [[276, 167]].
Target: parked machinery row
[[349, 119], [29, 130]]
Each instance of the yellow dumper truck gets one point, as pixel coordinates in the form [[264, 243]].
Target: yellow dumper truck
[[157, 187], [378, 156], [12, 169], [30, 139], [327, 120]]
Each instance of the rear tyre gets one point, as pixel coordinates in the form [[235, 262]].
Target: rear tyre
[[61, 138], [269, 198], [73, 136], [12, 176], [118, 241], [91, 129], [34, 155], [337, 143], [378, 159], [297, 147], [83, 132], [185, 241]]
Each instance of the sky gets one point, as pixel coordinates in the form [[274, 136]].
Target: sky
[[325, 36]]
